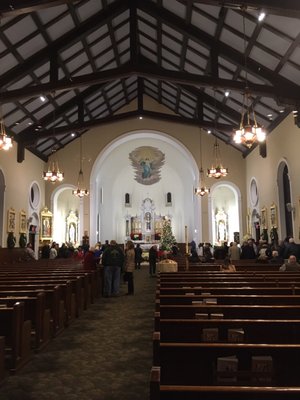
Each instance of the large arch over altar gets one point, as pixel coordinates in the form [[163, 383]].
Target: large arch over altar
[[119, 196]]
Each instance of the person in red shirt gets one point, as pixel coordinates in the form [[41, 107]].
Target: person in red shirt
[[89, 261]]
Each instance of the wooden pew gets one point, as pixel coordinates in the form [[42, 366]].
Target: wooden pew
[[254, 330], [213, 290], [160, 391], [195, 363], [17, 333], [2, 359], [71, 288], [188, 370], [230, 311], [254, 299], [35, 311], [54, 301]]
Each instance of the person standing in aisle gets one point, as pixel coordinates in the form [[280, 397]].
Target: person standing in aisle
[[153, 255], [138, 256], [112, 261], [129, 266]]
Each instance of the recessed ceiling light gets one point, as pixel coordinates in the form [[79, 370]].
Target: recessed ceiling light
[[270, 115], [73, 134], [43, 98], [261, 16], [227, 93], [281, 111], [29, 123], [209, 131], [140, 117]]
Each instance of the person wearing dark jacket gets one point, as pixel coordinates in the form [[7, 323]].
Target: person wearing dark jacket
[[138, 251], [153, 255], [112, 261]]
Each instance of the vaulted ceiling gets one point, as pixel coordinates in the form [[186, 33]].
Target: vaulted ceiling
[[89, 58]]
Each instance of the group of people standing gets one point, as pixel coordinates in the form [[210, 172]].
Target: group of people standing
[[115, 262]]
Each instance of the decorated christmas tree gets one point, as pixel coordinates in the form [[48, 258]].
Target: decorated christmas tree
[[167, 238]]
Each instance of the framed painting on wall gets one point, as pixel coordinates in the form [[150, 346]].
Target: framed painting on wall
[[11, 220], [22, 222], [273, 215], [264, 221], [46, 224]]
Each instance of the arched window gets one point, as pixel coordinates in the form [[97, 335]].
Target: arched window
[[127, 199], [169, 199], [287, 200]]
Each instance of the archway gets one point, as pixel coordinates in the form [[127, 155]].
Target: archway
[[225, 213], [285, 204], [2, 190], [113, 176], [63, 202]]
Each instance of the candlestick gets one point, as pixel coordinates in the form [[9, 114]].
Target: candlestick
[[186, 240]]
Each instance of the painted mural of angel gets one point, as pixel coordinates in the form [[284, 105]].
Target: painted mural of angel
[[147, 162]]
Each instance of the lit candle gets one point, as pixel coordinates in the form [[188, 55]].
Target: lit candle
[[186, 240]]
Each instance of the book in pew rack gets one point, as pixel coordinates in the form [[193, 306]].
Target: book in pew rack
[[235, 335], [262, 370], [210, 335], [227, 368]]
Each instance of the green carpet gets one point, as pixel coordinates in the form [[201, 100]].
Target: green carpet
[[106, 354]]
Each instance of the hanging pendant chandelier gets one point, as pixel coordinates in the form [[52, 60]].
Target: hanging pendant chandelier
[[53, 174], [217, 170], [5, 141], [202, 189], [249, 131], [81, 191]]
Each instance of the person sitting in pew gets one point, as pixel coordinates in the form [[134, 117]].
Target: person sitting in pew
[[227, 266], [29, 253], [275, 259], [291, 265]]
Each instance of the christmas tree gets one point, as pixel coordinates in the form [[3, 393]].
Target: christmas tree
[[167, 238]]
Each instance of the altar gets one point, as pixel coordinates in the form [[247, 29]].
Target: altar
[[145, 228]]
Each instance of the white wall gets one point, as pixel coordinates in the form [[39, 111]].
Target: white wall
[[18, 179], [282, 145], [115, 176]]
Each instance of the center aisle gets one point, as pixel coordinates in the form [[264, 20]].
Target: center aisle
[[106, 354]]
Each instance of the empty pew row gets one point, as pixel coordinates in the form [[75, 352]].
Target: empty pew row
[[190, 371], [57, 299], [2, 359], [165, 382], [35, 311], [234, 276], [228, 311], [196, 363], [229, 330], [244, 290], [91, 280], [17, 333], [183, 297], [160, 391], [74, 296]]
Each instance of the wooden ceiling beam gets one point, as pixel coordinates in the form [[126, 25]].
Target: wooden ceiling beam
[[13, 8], [65, 41], [123, 116], [287, 8], [146, 69], [209, 41]]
